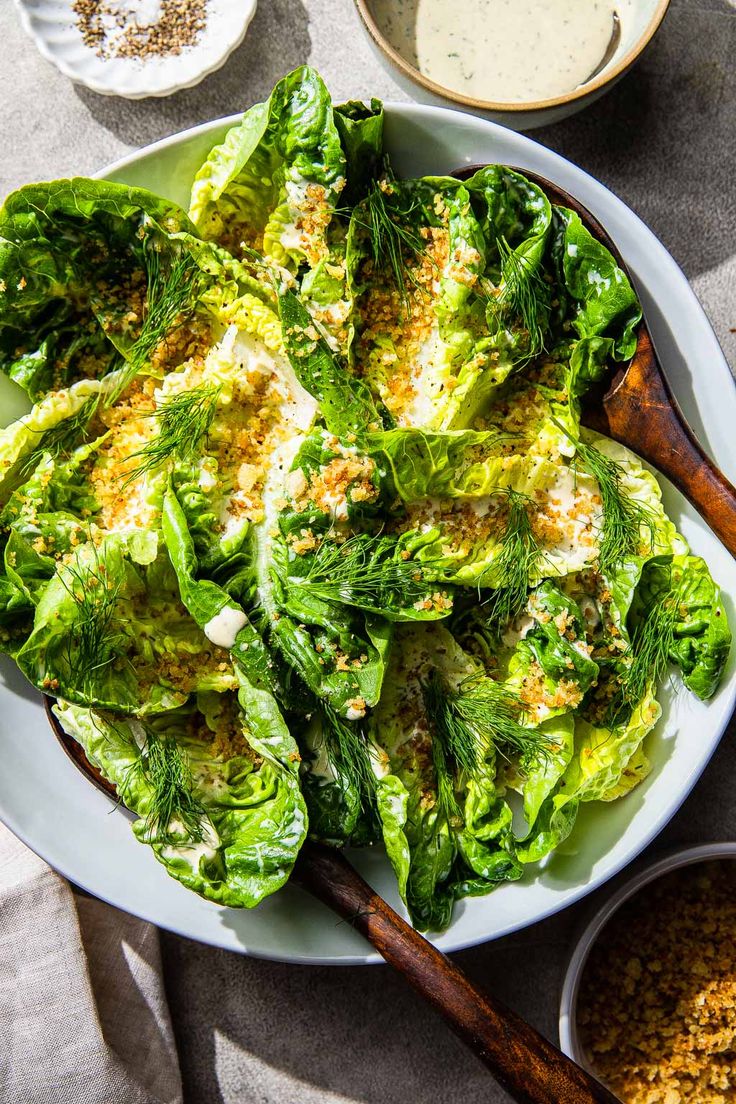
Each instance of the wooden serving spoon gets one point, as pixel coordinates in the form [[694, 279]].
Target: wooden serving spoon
[[638, 409], [636, 406]]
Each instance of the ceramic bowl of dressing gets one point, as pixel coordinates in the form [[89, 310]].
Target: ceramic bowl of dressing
[[522, 63]]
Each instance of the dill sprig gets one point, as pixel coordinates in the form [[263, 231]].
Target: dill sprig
[[651, 643], [393, 243], [444, 780], [183, 422], [348, 754], [174, 809], [476, 715], [363, 571], [62, 439], [623, 517], [97, 627], [513, 564], [522, 295], [168, 297]]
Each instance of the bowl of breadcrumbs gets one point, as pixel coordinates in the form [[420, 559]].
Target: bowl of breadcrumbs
[[649, 1001]]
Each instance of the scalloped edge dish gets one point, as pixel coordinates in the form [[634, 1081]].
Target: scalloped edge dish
[[52, 26]]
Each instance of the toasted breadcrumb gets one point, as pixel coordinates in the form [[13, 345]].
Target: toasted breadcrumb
[[657, 1005]]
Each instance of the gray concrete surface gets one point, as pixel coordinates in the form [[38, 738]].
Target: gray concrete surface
[[663, 139]]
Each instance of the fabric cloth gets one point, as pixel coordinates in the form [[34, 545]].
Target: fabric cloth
[[83, 1009], [96, 1006]]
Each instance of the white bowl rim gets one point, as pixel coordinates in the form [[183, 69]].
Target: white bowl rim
[[141, 91], [608, 75], [671, 860]]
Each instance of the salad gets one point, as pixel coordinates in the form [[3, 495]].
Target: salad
[[302, 530]]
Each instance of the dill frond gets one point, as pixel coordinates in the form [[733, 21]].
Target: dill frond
[[523, 296], [362, 571], [394, 244], [478, 714], [514, 563], [174, 810], [651, 643], [348, 754], [97, 628], [446, 798], [623, 517], [184, 421], [63, 438], [168, 297]]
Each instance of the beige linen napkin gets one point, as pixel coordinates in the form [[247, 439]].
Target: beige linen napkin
[[83, 1011]]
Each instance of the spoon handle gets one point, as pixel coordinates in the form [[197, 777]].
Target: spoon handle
[[527, 1065], [642, 412]]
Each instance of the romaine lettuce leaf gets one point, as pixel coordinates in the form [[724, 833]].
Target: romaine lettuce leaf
[[596, 772], [360, 127], [274, 182], [441, 846], [110, 632], [76, 260], [249, 817], [701, 638]]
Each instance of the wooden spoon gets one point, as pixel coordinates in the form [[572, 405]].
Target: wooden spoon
[[636, 405], [528, 1066]]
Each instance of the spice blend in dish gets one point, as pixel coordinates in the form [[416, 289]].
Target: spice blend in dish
[[656, 1010], [303, 531], [140, 28]]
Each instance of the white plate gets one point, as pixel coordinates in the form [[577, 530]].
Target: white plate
[[51, 806], [53, 26]]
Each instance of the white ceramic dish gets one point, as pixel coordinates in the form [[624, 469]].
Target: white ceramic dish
[[637, 31], [52, 24], [50, 805], [569, 1040]]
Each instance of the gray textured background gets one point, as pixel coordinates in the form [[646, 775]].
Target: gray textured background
[[664, 140]]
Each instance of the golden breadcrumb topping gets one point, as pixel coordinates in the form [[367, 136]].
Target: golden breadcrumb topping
[[657, 1004]]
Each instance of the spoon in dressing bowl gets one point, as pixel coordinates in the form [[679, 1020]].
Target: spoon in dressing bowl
[[613, 44]]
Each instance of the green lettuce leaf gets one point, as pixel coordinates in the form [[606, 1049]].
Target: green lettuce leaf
[[360, 127], [110, 632], [250, 817], [441, 848], [702, 638], [76, 257], [274, 182]]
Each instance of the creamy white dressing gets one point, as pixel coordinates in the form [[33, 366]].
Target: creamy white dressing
[[502, 50], [225, 626], [196, 851], [518, 630]]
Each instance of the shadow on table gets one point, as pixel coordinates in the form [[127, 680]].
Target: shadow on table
[[276, 42], [670, 121]]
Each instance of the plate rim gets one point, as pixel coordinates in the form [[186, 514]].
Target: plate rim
[[720, 365]]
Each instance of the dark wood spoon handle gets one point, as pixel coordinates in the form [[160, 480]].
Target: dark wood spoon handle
[[641, 411], [528, 1066]]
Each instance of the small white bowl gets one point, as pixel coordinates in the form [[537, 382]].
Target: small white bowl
[[569, 1038], [637, 32], [53, 26]]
